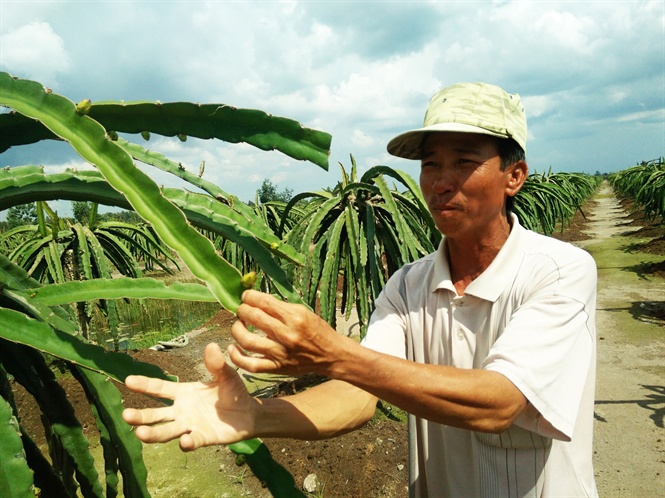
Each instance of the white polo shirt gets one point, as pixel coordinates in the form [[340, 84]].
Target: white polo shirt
[[530, 316]]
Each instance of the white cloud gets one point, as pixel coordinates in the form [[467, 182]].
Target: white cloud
[[655, 116], [566, 30], [617, 95], [361, 139], [73, 164], [537, 105], [363, 72], [279, 177], [34, 51]]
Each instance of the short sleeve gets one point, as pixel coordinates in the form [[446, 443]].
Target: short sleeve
[[548, 346], [387, 327]]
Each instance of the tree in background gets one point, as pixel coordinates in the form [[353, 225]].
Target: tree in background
[[24, 214], [81, 211], [268, 192]]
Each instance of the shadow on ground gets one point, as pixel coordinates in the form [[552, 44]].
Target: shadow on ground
[[654, 401]]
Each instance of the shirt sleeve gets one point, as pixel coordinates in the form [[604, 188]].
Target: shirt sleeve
[[387, 326], [547, 348]]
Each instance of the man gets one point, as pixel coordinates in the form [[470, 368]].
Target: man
[[488, 343]]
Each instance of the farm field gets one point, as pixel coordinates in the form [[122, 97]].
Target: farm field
[[371, 462]]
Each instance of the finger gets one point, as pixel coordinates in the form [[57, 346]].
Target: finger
[[153, 387], [259, 318], [213, 358], [148, 416], [269, 304], [256, 343], [159, 433], [238, 330], [258, 299], [275, 317], [250, 363], [192, 441], [216, 363]]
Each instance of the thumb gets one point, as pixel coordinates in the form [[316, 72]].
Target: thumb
[[216, 363]]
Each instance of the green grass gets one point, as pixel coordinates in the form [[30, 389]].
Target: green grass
[[628, 326], [620, 264], [616, 256], [387, 411], [143, 323], [174, 474]]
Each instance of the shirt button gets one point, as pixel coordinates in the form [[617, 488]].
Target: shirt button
[[460, 335]]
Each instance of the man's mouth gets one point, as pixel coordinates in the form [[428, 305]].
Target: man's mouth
[[445, 207]]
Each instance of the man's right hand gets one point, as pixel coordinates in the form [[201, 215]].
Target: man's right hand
[[296, 340]]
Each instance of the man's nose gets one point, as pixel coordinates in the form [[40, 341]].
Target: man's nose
[[442, 183]]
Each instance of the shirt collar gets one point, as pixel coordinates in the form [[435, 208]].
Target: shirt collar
[[487, 285]]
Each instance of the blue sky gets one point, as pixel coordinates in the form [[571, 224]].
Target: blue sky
[[591, 74]]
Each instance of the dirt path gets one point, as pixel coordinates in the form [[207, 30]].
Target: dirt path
[[630, 394]]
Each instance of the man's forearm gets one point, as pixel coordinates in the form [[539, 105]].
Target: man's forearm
[[472, 399], [323, 411]]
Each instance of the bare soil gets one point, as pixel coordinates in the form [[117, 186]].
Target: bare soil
[[372, 462]]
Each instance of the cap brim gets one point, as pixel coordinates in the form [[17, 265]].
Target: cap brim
[[409, 144]]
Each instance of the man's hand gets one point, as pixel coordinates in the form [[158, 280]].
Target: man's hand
[[202, 414], [296, 340]]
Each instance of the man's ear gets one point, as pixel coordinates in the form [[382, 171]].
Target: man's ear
[[516, 176]]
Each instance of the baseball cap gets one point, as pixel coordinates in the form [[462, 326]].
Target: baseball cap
[[470, 108]]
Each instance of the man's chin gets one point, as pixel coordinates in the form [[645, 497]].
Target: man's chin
[[447, 225]]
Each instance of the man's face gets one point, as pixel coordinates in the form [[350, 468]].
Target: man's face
[[462, 182]]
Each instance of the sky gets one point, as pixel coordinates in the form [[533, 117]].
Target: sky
[[591, 74]]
